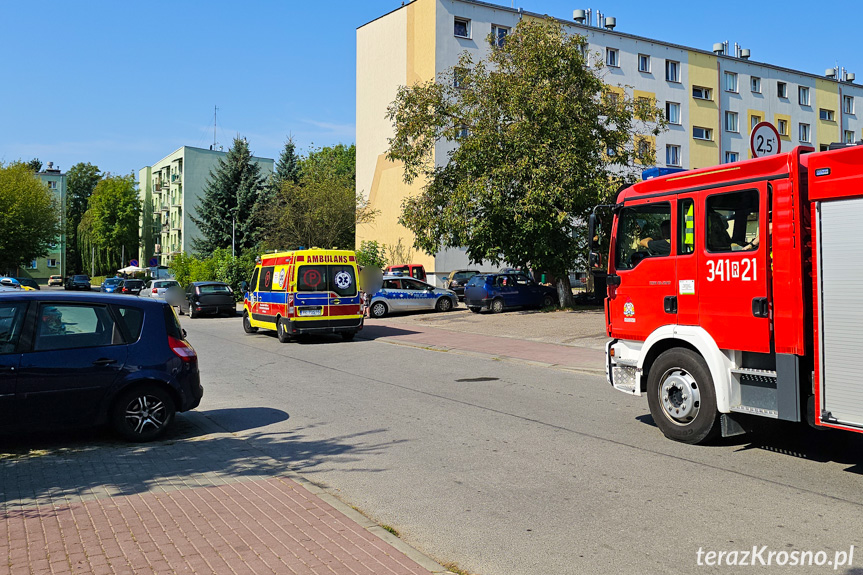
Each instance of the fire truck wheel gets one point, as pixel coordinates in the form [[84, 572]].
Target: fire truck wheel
[[247, 325], [284, 336], [497, 306], [681, 397]]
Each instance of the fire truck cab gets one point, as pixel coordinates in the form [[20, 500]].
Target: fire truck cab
[[733, 292]]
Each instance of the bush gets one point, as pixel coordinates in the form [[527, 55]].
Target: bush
[[371, 253], [221, 267]]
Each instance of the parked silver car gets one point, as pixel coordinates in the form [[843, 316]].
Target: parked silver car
[[401, 293], [167, 290]]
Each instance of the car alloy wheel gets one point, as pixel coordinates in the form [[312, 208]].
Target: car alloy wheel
[[143, 413], [379, 309]]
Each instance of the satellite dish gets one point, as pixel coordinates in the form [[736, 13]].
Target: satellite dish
[[371, 280]]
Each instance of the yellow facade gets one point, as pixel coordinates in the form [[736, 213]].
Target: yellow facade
[[703, 72], [827, 98], [786, 136], [412, 34]]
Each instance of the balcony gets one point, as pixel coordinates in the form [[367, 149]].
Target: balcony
[[176, 179], [165, 208]]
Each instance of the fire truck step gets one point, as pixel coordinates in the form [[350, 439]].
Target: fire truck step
[[754, 372]]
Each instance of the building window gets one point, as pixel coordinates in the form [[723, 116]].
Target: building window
[[731, 157], [700, 93], [754, 121], [848, 104], [643, 149], [731, 122], [702, 133], [849, 136], [644, 108], [803, 95], [498, 35], [52, 185], [672, 71], [730, 82], [33, 265], [672, 112], [827, 115], [462, 132], [782, 127], [755, 84], [804, 132], [612, 57], [781, 90], [52, 263], [459, 78], [461, 28], [644, 63], [672, 155]]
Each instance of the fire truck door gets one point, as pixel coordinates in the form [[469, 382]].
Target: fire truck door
[[643, 269], [734, 267]]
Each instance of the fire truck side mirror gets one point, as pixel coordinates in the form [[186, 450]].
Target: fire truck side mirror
[[591, 232], [594, 260]]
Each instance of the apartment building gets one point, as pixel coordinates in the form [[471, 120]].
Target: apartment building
[[712, 95], [170, 191], [40, 269]]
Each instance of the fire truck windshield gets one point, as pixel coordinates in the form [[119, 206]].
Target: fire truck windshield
[[642, 231]]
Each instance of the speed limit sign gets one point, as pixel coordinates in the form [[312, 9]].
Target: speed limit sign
[[764, 140]]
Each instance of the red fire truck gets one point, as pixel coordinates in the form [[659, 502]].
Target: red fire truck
[[735, 292]]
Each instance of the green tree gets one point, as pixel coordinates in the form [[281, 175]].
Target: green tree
[[110, 224], [322, 208], [233, 188], [29, 216], [541, 139], [36, 165], [81, 180], [288, 166], [372, 254]]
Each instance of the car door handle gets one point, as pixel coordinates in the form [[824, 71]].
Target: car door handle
[[670, 304], [104, 361]]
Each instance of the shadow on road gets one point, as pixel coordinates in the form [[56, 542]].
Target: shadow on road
[[795, 440], [376, 331], [68, 466]]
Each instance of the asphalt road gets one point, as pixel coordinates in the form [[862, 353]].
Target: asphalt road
[[506, 468]]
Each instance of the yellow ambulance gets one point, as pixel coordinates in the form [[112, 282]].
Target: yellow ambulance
[[304, 291]]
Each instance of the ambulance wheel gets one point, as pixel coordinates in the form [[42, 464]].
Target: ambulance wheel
[[682, 398], [283, 334], [348, 335], [378, 309], [247, 325], [497, 306], [443, 304]]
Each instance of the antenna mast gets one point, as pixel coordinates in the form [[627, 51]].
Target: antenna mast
[[215, 118]]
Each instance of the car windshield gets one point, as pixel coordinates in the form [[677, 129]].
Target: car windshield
[[476, 281], [134, 283], [112, 281], [166, 284], [82, 278]]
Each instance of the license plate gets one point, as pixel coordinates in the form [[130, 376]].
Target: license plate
[[308, 312]]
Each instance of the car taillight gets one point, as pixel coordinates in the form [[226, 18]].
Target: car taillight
[[155, 290], [182, 350]]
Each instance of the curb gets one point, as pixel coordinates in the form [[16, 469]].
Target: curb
[[210, 427]]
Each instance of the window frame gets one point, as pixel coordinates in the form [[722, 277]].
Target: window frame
[[626, 242], [729, 115], [107, 312], [675, 66], [708, 134], [846, 108], [800, 129], [826, 115], [466, 22], [754, 120], [755, 84], [608, 52], [669, 148], [848, 136], [681, 225], [497, 41], [707, 211], [668, 115], [732, 79], [644, 58], [728, 154], [801, 90], [782, 90], [782, 127], [706, 93]]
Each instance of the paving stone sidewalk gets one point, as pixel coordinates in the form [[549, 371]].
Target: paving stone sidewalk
[[203, 502]]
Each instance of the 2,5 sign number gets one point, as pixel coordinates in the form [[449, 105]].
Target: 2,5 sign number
[[764, 140]]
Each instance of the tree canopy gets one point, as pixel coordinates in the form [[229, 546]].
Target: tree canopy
[[110, 224], [233, 189], [81, 180], [321, 208], [29, 216], [536, 138]]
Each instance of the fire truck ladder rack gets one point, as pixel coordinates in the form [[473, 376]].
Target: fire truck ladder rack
[[754, 392]]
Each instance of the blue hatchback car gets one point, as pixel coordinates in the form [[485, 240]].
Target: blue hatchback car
[[90, 359], [497, 292]]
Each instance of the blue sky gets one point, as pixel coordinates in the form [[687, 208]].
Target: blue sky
[[122, 84]]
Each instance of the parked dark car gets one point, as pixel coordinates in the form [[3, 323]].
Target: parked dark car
[[91, 359], [457, 279], [133, 287], [78, 281], [208, 297], [28, 282], [499, 291]]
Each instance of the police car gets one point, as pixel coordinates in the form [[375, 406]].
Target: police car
[[401, 293]]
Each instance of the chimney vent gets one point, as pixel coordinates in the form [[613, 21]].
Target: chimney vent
[[610, 22], [579, 16]]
